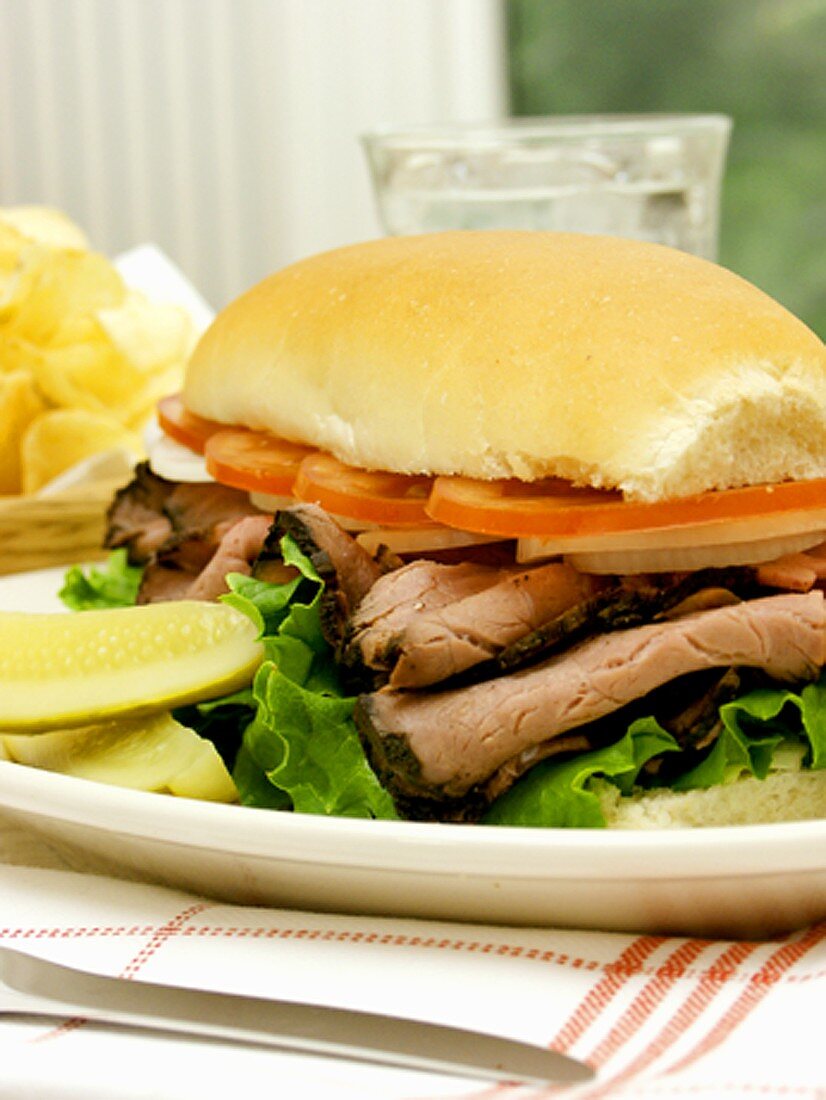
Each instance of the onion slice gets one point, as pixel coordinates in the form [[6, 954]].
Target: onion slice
[[174, 462], [685, 558], [420, 540], [270, 502]]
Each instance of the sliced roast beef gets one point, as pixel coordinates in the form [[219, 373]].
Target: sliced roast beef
[[151, 514], [444, 746], [346, 568], [237, 552], [412, 634], [689, 707], [397, 600], [629, 602], [209, 509], [137, 518], [196, 569], [175, 530], [443, 642], [798, 572], [171, 571]]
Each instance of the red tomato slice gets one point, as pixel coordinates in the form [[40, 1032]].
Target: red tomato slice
[[377, 497], [183, 426], [256, 461], [555, 509]]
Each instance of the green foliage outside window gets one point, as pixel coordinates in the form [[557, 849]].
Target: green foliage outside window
[[763, 62]]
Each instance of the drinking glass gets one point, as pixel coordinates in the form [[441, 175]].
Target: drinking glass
[[654, 177]]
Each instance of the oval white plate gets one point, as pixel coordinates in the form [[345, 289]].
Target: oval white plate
[[735, 882]]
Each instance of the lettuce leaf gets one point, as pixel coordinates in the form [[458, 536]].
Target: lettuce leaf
[[302, 749], [557, 794], [755, 727], [309, 747], [763, 731], [115, 584], [250, 777]]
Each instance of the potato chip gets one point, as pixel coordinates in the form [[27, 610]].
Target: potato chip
[[53, 285], [149, 335], [45, 224], [93, 376], [18, 277], [143, 403], [77, 328], [84, 359], [82, 376], [60, 438], [20, 403], [17, 354], [11, 244]]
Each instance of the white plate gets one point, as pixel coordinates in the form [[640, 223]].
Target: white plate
[[744, 881]]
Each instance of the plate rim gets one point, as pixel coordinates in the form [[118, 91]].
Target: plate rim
[[507, 852]]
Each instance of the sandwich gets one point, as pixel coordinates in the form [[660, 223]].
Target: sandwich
[[559, 503]]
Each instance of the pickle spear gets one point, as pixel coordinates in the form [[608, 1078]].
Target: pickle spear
[[64, 670]]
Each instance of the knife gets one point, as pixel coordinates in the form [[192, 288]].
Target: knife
[[34, 986]]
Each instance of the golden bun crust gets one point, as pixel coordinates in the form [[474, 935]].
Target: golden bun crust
[[496, 354]]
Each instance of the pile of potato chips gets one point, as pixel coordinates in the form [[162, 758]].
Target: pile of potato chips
[[83, 359]]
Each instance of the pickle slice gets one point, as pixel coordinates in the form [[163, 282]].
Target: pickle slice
[[150, 753], [68, 670]]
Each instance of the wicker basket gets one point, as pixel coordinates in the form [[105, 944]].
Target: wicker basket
[[67, 527]]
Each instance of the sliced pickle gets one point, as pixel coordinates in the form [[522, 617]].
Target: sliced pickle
[[151, 753], [68, 670]]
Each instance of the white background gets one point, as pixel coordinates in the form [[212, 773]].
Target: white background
[[227, 130]]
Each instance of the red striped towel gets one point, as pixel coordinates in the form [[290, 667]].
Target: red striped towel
[[656, 1016]]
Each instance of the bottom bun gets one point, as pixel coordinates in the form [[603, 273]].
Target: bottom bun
[[783, 796]]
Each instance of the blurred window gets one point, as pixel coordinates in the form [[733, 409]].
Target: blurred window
[[760, 61]]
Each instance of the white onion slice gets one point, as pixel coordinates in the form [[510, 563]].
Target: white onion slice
[[419, 540], [269, 503], [682, 558], [748, 529], [174, 462]]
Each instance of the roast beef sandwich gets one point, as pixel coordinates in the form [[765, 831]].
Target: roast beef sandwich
[[556, 505]]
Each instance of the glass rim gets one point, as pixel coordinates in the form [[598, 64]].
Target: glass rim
[[537, 128]]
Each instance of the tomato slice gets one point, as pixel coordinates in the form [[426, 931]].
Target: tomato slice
[[553, 508], [256, 461], [377, 497], [183, 426]]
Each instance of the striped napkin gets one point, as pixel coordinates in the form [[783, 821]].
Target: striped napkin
[[657, 1016]]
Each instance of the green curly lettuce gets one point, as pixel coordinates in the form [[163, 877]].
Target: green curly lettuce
[[302, 749], [113, 584]]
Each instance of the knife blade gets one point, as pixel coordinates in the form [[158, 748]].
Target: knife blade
[[31, 985]]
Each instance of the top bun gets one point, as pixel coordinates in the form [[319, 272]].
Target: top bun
[[611, 362]]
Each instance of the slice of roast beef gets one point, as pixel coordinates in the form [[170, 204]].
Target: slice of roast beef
[[431, 747], [509, 618], [171, 571], [237, 552], [628, 602], [798, 572], [209, 509], [151, 514], [196, 569], [346, 568], [137, 518], [175, 530], [396, 601], [444, 642]]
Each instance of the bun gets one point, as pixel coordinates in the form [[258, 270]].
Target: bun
[[781, 796], [611, 362]]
